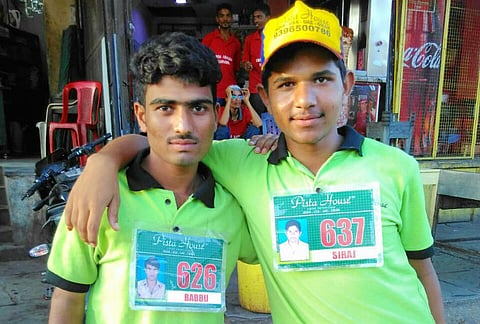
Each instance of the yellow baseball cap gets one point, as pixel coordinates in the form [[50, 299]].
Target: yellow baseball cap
[[302, 24]]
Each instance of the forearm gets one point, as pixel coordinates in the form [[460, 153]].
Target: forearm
[[223, 120], [428, 277], [121, 150], [89, 197], [66, 307]]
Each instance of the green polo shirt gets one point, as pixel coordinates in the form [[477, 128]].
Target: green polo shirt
[[391, 293], [105, 270]]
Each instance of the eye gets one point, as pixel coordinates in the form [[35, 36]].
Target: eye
[[165, 108], [286, 84], [199, 108], [320, 79]]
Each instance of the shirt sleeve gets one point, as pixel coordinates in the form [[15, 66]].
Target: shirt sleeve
[[247, 251], [207, 40], [71, 264], [415, 231], [236, 59], [246, 50]]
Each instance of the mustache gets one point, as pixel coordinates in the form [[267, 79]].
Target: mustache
[[183, 137]]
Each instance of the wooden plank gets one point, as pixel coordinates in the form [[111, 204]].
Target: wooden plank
[[430, 182], [456, 189], [456, 215], [459, 184], [430, 191]]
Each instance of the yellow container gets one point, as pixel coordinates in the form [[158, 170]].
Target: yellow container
[[251, 288]]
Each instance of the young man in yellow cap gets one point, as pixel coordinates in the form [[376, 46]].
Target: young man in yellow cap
[[369, 237]]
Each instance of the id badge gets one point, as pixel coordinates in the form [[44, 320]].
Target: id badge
[[177, 272], [337, 228]]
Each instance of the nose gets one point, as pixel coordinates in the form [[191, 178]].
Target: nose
[[304, 96], [182, 121]]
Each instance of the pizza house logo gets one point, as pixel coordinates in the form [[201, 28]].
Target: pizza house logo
[[426, 56]]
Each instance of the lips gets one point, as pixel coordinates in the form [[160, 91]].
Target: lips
[[308, 116], [183, 141]]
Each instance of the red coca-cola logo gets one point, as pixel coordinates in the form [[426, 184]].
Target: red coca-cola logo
[[426, 56]]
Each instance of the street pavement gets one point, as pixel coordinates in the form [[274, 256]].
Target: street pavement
[[456, 261]]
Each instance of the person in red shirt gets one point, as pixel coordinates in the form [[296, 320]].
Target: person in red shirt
[[237, 120], [361, 116], [251, 63], [227, 49]]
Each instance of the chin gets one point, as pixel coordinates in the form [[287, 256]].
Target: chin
[[188, 159], [306, 137]]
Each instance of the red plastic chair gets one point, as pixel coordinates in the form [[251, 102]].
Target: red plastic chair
[[88, 104]]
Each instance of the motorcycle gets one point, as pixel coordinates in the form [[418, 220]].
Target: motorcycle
[[55, 176]]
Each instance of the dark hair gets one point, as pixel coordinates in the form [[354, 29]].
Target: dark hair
[[263, 7], [174, 54], [153, 261], [287, 54], [293, 222], [224, 6]]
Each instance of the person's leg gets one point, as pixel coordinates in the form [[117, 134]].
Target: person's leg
[[222, 132], [252, 130]]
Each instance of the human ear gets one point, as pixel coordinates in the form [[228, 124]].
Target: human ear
[[264, 96], [216, 107], [348, 82], [140, 114]]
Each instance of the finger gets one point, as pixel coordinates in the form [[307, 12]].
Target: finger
[[80, 223], [113, 212], [266, 143], [272, 148], [92, 228], [260, 143], [68, 214], [253, 140]]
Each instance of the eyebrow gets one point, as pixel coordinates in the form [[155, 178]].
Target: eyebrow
[[190, 103], [324, 73]]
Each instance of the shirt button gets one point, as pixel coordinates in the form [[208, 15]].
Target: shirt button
[[176, 229], [168, 201], [318, 190]]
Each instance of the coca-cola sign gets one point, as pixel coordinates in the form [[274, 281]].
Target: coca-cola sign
[[426, 56]]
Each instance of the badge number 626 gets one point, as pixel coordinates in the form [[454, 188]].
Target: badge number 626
[[190, 276]]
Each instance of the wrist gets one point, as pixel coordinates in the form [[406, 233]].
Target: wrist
[[101, 158]]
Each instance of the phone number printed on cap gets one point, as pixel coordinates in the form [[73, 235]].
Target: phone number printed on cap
[[301, 28]]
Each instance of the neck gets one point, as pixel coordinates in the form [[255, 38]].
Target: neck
[[151, 281], [182, 180], [234, 113], [313, 156], [224, 32]]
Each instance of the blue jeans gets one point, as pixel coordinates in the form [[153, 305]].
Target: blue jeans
[[223, 132]]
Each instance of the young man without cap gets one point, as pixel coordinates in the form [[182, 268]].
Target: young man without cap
[[251, 56], [172, 207], [369, 235], [227, 49]]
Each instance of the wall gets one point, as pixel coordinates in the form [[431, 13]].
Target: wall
[[26, 224], [34, 25], [278, 7], [58, 16]]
